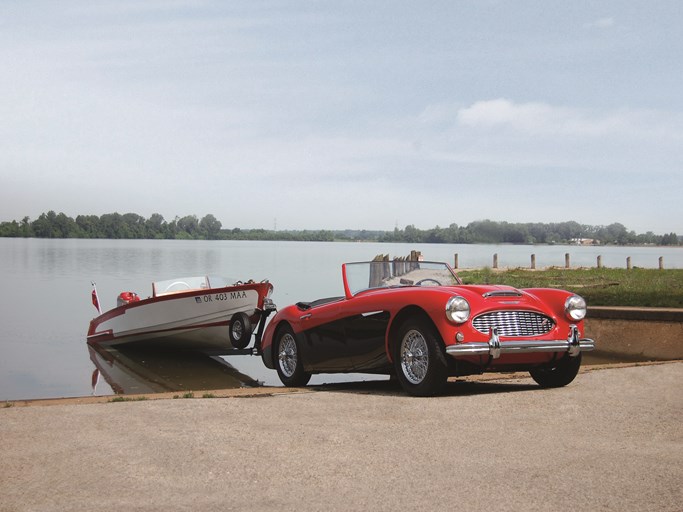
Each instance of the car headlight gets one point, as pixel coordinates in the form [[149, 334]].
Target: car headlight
[[575, 308], [457, 309]]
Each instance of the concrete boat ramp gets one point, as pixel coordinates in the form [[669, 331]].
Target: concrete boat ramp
[[611, 440]]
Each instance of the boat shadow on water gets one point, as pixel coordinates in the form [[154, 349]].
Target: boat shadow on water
[[142, 368]]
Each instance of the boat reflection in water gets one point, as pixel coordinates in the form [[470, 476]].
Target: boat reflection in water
[[138, 369]]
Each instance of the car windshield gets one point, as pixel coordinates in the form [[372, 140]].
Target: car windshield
[[383, 274]]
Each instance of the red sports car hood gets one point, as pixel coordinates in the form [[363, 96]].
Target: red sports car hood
[[501, 294], [497, 289]]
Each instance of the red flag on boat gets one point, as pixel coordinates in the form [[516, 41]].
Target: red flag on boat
[[95, 300]]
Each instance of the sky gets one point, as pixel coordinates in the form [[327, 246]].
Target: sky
[[343, 114]]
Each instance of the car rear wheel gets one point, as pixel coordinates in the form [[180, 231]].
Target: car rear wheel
[[240, 330], [289, 366], [559, 375], [419, 359]]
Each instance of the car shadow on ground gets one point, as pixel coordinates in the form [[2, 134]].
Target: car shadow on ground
[[458, 387]]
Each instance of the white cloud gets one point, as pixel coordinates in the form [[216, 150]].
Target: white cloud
[[542, 118], [508, 135], [503, 113]]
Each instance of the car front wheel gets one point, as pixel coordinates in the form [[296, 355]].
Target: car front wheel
[[419, 360], [559, 375], [289, 366]]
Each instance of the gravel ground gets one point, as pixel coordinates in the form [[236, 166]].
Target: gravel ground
[[611, 440]]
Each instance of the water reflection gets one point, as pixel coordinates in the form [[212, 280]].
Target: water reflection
[[142, 369]]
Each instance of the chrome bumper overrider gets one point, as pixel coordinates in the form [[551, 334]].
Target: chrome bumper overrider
[[494, 347]]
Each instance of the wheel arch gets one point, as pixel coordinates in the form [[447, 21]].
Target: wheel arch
[[277, 329], [268, 355], [411, 311], [282, 324]]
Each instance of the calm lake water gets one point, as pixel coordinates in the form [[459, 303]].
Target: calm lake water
[[45, 306]]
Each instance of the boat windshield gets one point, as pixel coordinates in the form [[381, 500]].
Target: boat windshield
[[384, 274], [183, 284]]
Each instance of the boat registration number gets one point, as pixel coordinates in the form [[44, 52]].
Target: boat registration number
[[221, 296]]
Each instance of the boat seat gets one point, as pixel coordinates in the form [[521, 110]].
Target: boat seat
[[308, 305]]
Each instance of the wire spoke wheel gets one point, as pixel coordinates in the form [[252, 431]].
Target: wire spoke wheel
[[287, 355], [419, 357], [288, 360], [414, 357]]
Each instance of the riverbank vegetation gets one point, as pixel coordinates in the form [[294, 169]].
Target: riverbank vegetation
[[134, 226], [636, 287], [190, 227]]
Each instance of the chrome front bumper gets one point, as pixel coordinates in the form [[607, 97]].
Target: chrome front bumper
[[494, 347]]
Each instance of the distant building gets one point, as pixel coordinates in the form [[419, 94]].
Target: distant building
[[585, 241]]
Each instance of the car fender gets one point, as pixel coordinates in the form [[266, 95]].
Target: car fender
[[268, 354], [553, 298], [397, 320], [285, 316], [298, 320]]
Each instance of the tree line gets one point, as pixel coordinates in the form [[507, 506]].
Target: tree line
[[190, 227], [113, 225], [134, 226], [487, 231]]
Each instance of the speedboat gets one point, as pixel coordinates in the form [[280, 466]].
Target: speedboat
[[203, 312]]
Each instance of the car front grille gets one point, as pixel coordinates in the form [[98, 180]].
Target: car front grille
[[514, 323]]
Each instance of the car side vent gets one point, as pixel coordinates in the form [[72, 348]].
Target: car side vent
[[504, 293], [514, 323]]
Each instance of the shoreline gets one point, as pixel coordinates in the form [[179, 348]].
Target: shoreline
[[352, 241], [263, 391]]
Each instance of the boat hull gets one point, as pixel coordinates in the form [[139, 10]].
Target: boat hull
[[198, 318]]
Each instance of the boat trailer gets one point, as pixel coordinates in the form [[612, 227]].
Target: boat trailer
[[268, 308]]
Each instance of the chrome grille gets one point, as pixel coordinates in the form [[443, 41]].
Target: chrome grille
[[514, 323]]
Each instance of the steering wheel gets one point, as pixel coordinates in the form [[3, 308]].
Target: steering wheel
[[428, 280]]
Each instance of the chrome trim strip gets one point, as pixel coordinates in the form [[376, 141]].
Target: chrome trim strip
[[494, 347], [501, 293]]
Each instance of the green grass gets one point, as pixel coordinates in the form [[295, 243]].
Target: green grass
[[599, 286], [190, 394], [128, 399]]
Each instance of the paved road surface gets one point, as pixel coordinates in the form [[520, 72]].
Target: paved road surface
[[611, 440]]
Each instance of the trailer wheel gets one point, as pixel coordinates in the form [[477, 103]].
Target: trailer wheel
[[240, 330]]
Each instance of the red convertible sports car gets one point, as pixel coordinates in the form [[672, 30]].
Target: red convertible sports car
[[417, 321]]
